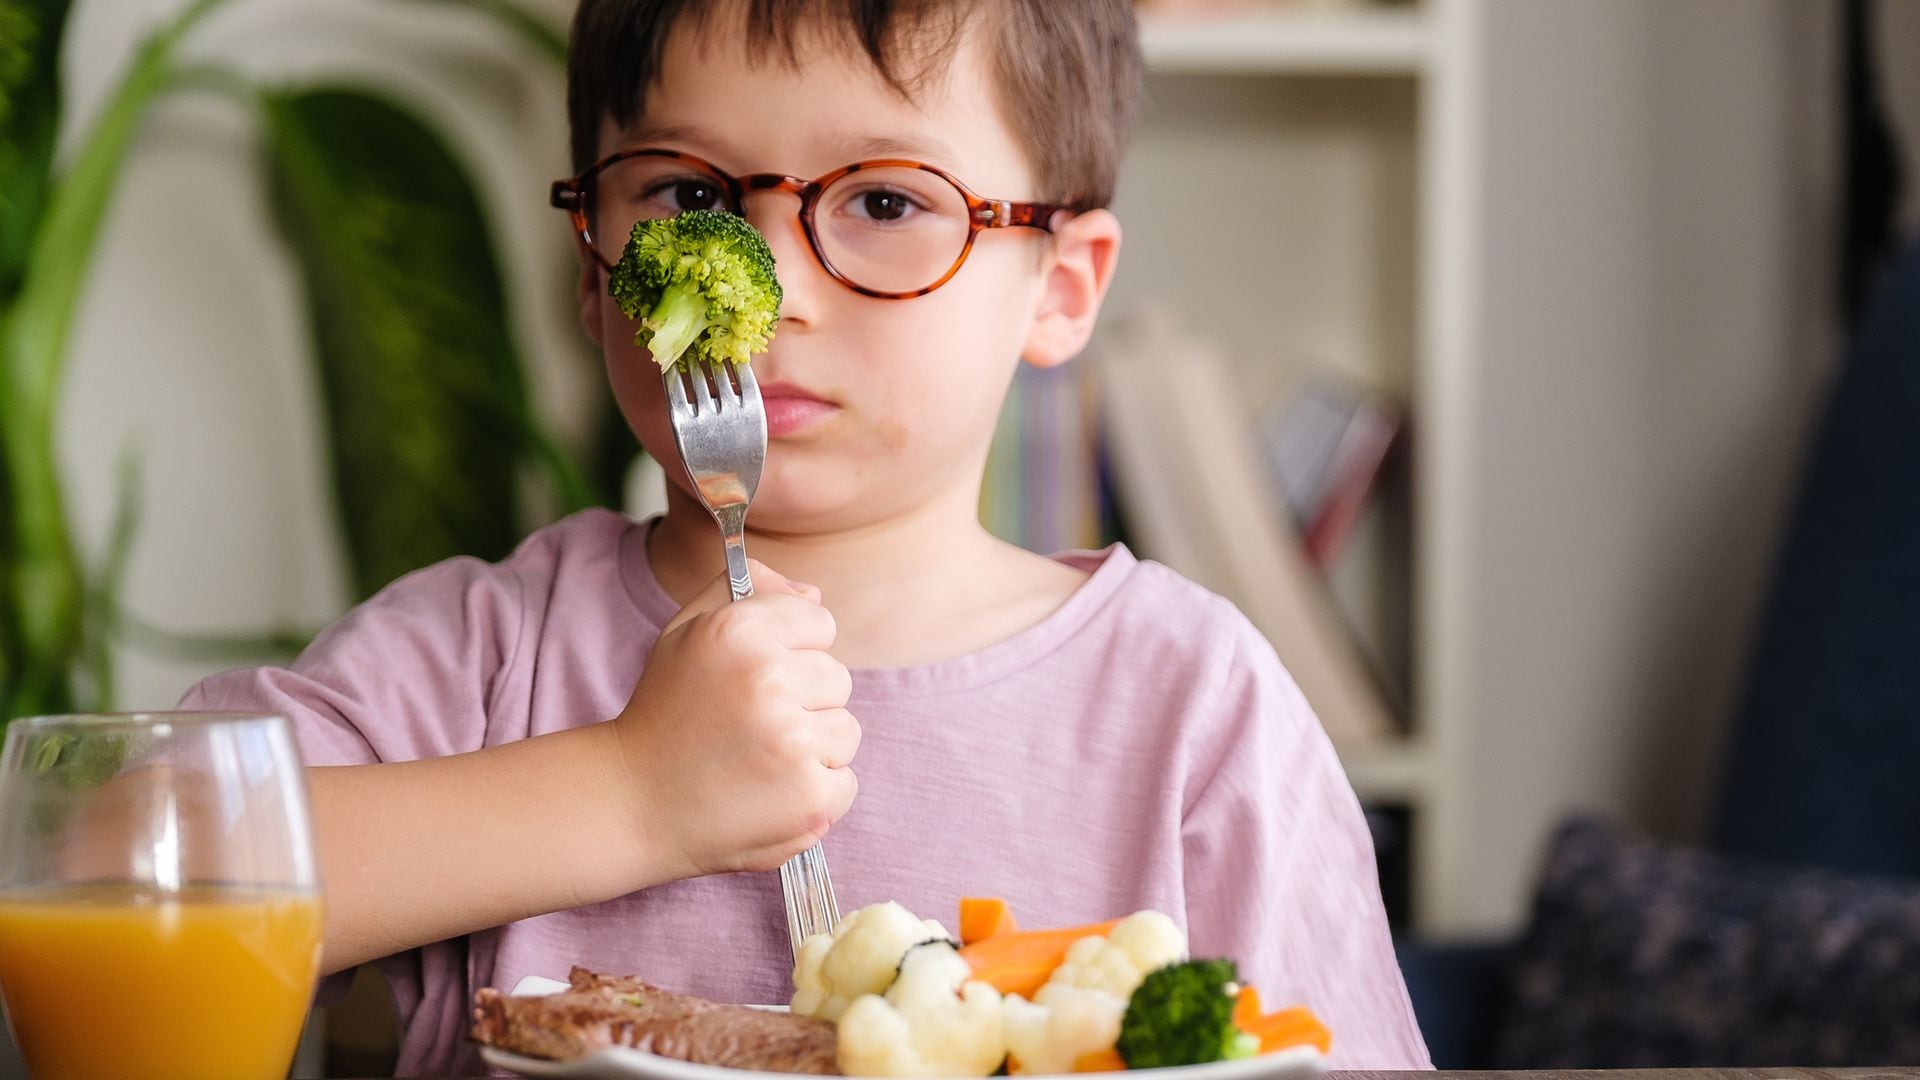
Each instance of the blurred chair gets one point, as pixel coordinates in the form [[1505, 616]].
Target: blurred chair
[[1821, 767], [1631, 957]]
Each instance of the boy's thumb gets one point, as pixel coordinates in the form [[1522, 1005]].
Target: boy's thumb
[[768, 580], [717, 593]]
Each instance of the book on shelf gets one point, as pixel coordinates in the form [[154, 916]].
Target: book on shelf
[[1326, 449], [1189, 472], [1151, 421], [1042, 488]]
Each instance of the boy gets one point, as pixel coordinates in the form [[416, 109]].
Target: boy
[[585, 754]]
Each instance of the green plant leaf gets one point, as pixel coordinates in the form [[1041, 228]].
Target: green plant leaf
[[426, 409], [52, 225], [63, 764], [30, 32], [78, 759]]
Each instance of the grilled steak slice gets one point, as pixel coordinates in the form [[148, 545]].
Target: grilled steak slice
[[585, 981], [600, 1011]]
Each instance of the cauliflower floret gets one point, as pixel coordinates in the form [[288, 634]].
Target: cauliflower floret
[[1079, 1009], [860, 957], [1047, 1035], [1142, 942], [934, 1021]]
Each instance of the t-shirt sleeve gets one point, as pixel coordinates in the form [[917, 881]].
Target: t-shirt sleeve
[[1279, 869], [409, 674]]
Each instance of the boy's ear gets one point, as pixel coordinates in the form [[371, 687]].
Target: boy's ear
[[590, 288], [1085, 251]]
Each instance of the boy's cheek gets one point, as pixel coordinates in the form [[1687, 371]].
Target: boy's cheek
[[641, 397]]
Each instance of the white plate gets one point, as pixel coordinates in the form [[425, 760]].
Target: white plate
[[623, 1063]]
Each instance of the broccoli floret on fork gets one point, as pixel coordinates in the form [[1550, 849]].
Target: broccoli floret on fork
[[701, 285]]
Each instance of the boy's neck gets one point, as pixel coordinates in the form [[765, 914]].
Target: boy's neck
[[878, 557], [918, 586]]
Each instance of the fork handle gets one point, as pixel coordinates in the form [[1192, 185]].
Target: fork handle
[[733, 533], [804, 885]]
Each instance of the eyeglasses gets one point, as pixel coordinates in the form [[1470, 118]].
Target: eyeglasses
[[891, 228]]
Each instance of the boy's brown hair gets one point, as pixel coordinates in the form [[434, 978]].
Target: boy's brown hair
[[1067, 71]]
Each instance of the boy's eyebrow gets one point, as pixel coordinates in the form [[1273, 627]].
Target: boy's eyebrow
[[884, 145], [852, 146], [646, 134]]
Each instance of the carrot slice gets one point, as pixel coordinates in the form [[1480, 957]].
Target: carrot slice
[[1020, 962], [982, 917], [1296, 1026], [1246, 1009], [1100, 1061]]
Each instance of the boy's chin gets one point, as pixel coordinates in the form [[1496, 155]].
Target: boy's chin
[[822, 492], [800, 513], [821, 507]]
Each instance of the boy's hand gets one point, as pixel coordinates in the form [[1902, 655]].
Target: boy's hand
[[737, 737]]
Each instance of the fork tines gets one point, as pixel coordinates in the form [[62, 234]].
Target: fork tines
[[702, 387], [807, 889]]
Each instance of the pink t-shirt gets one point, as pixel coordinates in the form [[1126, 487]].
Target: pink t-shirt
[[1139, 748]]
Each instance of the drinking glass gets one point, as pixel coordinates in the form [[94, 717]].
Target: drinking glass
[[159, 906]]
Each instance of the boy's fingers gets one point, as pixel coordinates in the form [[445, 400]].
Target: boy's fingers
[[718, 594], [838, 736], [822, 682], [844, 787], [796, 622]]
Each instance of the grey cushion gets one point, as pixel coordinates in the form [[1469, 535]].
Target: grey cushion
[[1643, 955]]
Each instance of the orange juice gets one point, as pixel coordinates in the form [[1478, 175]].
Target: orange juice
[[123, 981]]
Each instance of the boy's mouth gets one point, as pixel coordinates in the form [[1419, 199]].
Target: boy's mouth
[[792, 409]]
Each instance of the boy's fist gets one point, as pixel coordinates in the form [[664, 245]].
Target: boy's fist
[[737, 737]]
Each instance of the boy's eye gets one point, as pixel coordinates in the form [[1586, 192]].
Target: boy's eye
[[880, 205], [695, 195], [671, 196], [884, 205]]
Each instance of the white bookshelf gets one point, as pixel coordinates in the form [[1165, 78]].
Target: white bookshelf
[[1393, 771], [1505, 212], [1263, 42]]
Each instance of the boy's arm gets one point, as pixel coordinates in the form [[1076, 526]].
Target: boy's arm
[[426, 833], [407, 677], [420, 851], [423, 832], [1279, 869]]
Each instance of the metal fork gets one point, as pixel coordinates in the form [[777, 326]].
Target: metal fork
[[721, 430]]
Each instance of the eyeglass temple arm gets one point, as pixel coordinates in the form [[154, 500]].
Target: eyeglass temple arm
[[1001, 214]]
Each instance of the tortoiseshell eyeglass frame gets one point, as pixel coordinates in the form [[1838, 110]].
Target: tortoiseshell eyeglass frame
[[571, 196]]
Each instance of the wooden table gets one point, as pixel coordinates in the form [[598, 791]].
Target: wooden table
[[1900, 1073], [1890, 1073]]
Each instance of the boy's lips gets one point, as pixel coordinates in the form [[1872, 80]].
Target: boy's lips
[[792, 408]]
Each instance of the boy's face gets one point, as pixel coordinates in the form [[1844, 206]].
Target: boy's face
[[876, 408]]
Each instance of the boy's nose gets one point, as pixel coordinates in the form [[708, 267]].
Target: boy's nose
[[777, 215]]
